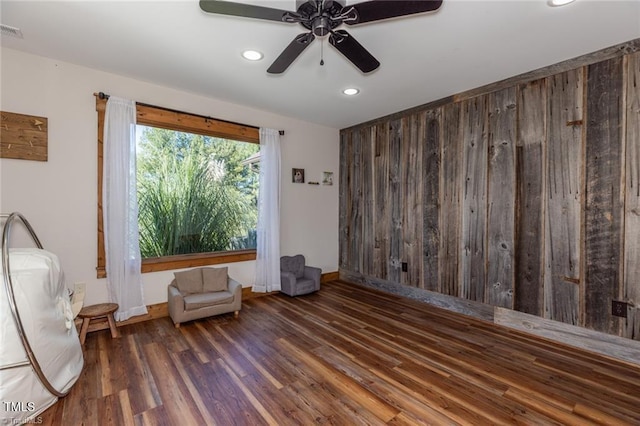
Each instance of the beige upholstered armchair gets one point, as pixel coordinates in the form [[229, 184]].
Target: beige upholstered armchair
[[203, 292]]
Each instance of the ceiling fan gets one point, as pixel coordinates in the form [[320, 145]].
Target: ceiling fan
[[321, 18]]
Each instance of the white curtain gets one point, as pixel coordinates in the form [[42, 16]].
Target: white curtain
[[268, 250], [120, 209]]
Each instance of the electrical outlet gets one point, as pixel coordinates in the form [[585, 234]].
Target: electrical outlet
[[405, 266], [79, 287], [618, 309]]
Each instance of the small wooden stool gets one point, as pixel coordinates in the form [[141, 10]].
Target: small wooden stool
[[98, 311]]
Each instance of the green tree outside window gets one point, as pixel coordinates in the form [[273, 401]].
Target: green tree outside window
[[194, 193]]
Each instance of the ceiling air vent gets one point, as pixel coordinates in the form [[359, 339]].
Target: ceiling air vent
[[10, 31]]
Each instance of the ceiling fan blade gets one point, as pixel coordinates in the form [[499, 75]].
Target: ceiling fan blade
[[244, 10], [370, 11], [353, 51], [290, 53]]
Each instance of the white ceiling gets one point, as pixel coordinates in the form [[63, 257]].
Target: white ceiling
[[465, 44]]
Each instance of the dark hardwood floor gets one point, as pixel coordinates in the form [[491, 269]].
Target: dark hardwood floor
[[346, 355]]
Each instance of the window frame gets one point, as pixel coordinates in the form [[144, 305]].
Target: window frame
[[185, 122]]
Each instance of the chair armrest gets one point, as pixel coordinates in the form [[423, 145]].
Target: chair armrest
[[314, 274], [234, 287], [287, 282], [175, 300]]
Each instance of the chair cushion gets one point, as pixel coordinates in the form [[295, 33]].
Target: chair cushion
[[214, 279], [190, 281], [293, 264], [204, 300]]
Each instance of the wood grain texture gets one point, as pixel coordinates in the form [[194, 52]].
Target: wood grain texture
[[580, 337], [412, 208], [451, 303], [382, 208], [547, 225], [193, 123], [369, 213], [451, 198], [101, 261], [474, 202], [168, 263], [344, 355], [431, 238], [530, 156], [631, 285], [395, 200], [344, 199], [23, 137], [564, 189], [602, 343], [500, 286], [355, 215], [603, 224]]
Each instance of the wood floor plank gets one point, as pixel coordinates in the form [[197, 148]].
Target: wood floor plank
[[302, 404], [225, 352], [485, 405], [283, 409], [80, 404], [125, 405], [240, 348], [268, 418], [223, 398], [184, 361], [106, 379], [199, 345], [174, 393], [53, 416], [156, 416], [143, 393], [347, 355], [586, 378], [599, 416], [110, 411], [365, 398], [563, 416]]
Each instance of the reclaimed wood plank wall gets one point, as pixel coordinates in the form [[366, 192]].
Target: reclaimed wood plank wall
[[563, 195], [631, 285], [525, 195], [530, 143]]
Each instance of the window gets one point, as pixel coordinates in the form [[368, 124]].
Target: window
[[189, 165], [194, 193]]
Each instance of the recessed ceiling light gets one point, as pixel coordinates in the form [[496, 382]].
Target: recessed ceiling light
[[559, 2], [252, 55], [351, 91]]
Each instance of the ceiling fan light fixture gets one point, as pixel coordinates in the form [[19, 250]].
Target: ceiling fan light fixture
[[556, 3], [252, 55], [351, 91], [321, 18]]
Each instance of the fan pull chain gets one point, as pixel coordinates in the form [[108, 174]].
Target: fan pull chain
[[322, 52]]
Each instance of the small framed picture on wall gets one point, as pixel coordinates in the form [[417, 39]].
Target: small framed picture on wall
[[327, 178], [297, 175]]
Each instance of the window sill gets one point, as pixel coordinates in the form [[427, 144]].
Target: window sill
[[167, 263]]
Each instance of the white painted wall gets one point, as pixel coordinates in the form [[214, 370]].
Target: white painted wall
[[59, 197]]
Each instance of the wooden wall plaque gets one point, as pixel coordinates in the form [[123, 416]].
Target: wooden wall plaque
[[23, 137]]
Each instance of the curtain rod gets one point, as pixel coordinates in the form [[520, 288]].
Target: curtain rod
[[103, 95]]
